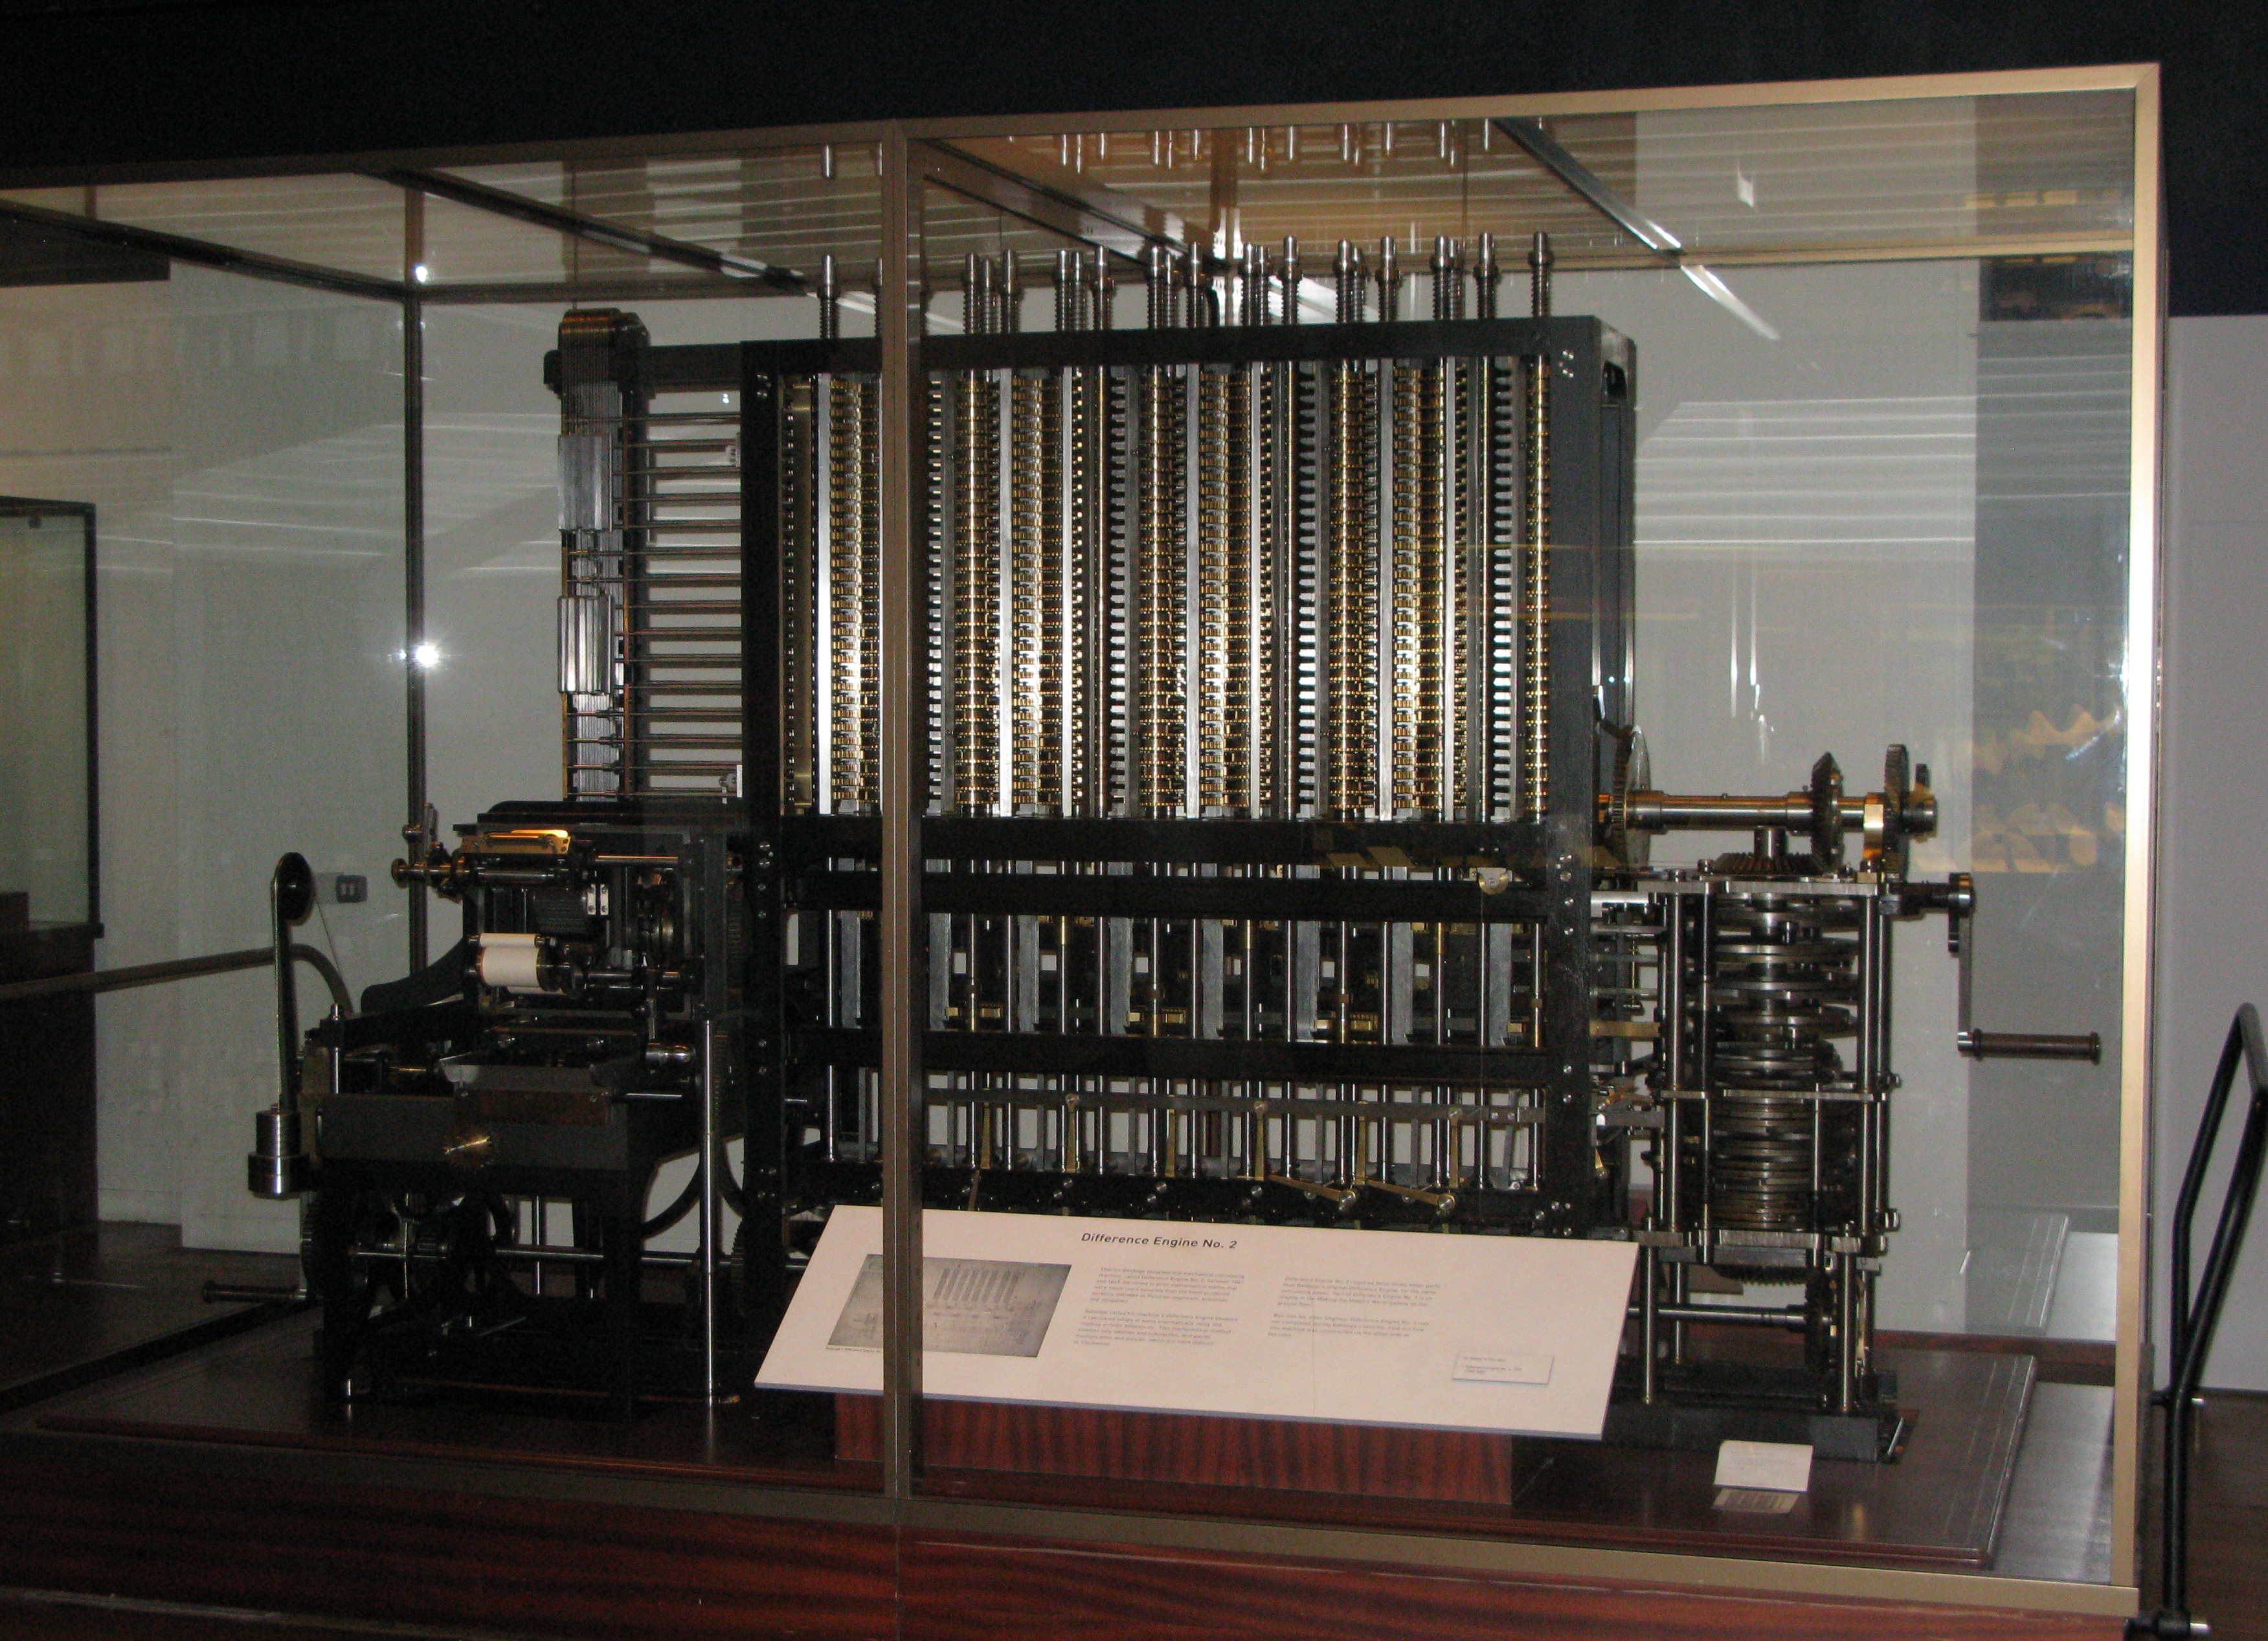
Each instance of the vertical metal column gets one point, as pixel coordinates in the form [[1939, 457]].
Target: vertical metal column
[[413, 551], [904, 993]]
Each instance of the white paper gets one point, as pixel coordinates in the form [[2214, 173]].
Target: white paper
[[1481, 1364], [1780, 1467], [1512, 1333]]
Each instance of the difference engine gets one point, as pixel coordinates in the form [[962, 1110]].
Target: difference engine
[[1286, 850]]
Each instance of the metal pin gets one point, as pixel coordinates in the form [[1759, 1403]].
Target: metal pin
[[1389, 278], [830, 316], [1484, 278], [1346, 271], [1292, 279]]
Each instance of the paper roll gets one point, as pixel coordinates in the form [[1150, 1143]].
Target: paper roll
[[508, 960]]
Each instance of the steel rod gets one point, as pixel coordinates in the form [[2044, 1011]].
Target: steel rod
[[897, 315]]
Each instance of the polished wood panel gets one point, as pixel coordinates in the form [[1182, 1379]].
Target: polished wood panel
[[960, 1588], [156, 1520], [1369, 1461], [1940, 1505], [416, 1556]]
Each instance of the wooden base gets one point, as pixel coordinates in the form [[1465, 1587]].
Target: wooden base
[[219, 1479], [1366, 1460], [446, 1556]]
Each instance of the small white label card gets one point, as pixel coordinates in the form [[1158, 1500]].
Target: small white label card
[[1780, 1467], [1486, 1365]]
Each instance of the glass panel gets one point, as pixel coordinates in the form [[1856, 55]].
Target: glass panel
[[1878, 511], [1410, 180], [1817, 174], [45, 758], [343, 222], [781, 207], [240, 440]]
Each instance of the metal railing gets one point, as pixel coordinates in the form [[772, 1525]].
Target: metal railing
[[126, 979], [2196, 1309]]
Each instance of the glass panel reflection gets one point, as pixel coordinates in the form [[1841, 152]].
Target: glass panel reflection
[[46, 758]]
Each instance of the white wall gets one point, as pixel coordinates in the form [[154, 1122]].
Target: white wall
[[2213, 869], [242, 443], [1806, 517]]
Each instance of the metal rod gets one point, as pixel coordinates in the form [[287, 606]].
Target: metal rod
[[203, 254], [903, 985], [102, 980], [661, 247], [413, 551], [711, 1224], [251, 1293]]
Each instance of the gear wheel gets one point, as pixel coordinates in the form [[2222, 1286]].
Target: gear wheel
[[1633, 772]]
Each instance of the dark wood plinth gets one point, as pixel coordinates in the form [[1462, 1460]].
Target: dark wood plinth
[[219, 1478], [1364, 1460], [1941, 1505]]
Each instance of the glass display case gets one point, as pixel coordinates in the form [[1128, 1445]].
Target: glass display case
[[1437, 818], [47, 837]]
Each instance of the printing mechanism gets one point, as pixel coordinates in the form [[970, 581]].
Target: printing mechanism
[[488, 1131], [1287, 846]]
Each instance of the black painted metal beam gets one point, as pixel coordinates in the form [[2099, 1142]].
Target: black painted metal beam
[[661, 247], [204, 254]]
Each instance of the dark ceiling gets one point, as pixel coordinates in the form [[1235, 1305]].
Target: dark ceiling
[[99, 82]]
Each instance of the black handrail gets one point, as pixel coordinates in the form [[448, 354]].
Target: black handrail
[[98, 981], [2197, 1313]]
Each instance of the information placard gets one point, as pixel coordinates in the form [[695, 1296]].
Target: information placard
[[1483, 1333]]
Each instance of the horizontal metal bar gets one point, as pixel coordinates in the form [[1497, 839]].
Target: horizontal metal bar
[[1032, 1053], [1291, 1105], [1584, 184], [127, 979], [1516, 844], [1273, 900], [661, 247], [1069, 206], [673, 287], [253, 1293], [204, 254]]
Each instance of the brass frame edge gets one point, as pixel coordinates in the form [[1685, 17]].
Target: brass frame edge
[[1897, 88], [2133, 1371]]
